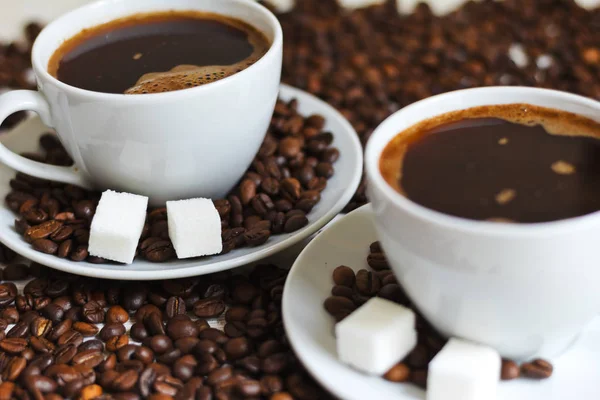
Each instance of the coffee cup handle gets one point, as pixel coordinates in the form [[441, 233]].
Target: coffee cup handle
[[29, 100]]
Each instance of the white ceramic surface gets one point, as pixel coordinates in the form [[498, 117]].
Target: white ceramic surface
[[310, 329], [188, 143], [525, 289], [339, 191]]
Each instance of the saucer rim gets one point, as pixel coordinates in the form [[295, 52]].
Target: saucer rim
[[346, 192]]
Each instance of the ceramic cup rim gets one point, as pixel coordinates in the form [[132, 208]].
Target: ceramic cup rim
[[56, 27], [381, 136]]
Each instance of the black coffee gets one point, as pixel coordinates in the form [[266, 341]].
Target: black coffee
[[158, 52], [512, 163]]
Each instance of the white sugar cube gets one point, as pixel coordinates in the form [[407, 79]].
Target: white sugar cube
[[117, 226], [463, 371], [351, 4], [194, 227], [376, 336], [282, 6]]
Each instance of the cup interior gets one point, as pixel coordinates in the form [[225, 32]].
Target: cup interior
[[104, 11], [461, 100]]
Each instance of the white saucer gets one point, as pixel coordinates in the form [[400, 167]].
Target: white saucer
[[339, 191], [310, 328]]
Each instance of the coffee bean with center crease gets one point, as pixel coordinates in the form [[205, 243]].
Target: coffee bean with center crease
[[8, 293], [175, 306], [367, 282], [209, 308], [45, 246], [537, 369], [93, 312], [85, 328], [257, 236]]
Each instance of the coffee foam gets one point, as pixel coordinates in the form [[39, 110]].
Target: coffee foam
[[189, 76], [555, 122], [184, 77]]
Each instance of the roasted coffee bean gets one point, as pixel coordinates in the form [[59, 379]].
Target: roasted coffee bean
[[335, 305], [344, 276], [14, 369], [138, 331], [53, 312], [377, 261], [88, 358], [45, 246], [510, 370], [144, 312], [125, 381], [60, 328], [186, 344], [343, 291], [19, 330], [179, 328], [90, 392], [94, 344], [70, 337], [8, 292], [238, 313], [295, 222], [80, 253], [159, 251], [209, 308], [184, 367], [398, 373], [257, 236], [161, 343], [86, 329], [114, 343], [116, 314], [237, 348], [6, 390], [250, 364], [219, 375], [93, 312], [62, 234], [175, 306], [275, 363], [536, 369], [154, 324], [10, 315], [13, 345], [40, 327], [111, 330], [393, 292], [65, 353], [367, 282]]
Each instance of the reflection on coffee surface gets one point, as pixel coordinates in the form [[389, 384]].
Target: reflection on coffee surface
[[506, 163], [158, 52]]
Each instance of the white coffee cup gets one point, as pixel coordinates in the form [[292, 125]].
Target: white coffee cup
[[174, 145], [525, 289]]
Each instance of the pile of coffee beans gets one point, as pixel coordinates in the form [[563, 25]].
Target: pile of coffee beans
[[351, 290], [371, 62], [63, 336], [280, 188], [15, 67]]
